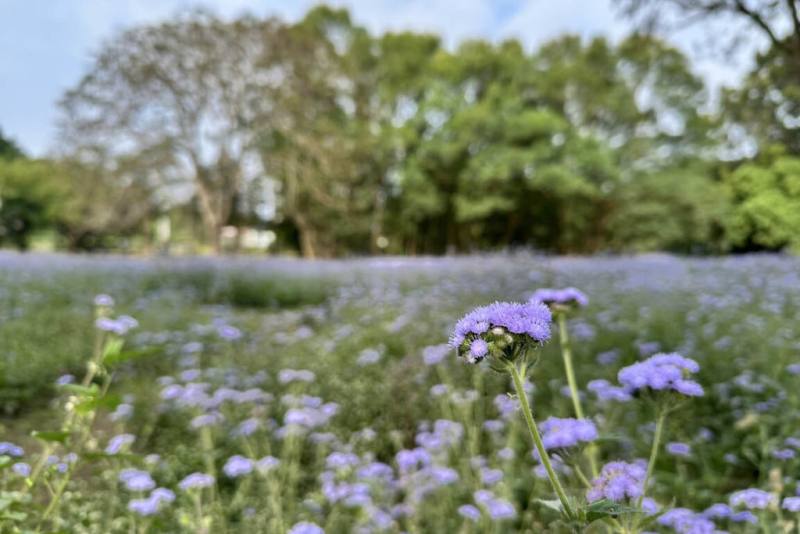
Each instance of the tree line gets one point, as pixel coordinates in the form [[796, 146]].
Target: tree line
[[345, 142]]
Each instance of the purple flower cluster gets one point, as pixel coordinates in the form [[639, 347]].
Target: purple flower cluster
[[562, 433], [119, 326], [196, 481], [605, 391], [499, 325], [618, 481], [136, 480], [150, 505], [568, 296], [752, 499], [685, 521], [662, 372]]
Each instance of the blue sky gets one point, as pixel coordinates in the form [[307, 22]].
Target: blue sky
[[45, 45]]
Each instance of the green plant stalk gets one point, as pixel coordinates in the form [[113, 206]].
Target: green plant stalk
[[566, 355], [537, 441], [662, 415]]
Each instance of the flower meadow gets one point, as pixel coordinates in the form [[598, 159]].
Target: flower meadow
[[493, 394]]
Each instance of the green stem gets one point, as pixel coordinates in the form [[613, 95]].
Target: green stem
[[662, 415], [537, 441], [566, 355]]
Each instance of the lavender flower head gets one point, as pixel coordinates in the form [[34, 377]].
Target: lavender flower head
[[561, 299], [237, 466], [305, 527], [752, 499], [502, 329], [662, 372], [618, 481], [562, 433], [196, 481]]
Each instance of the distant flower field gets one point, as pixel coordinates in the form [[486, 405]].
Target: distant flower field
[[488, 394]]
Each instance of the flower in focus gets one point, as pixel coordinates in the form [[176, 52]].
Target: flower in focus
[[502, 330], [618, 481]]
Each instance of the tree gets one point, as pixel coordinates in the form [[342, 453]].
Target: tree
[[29, 199], [176, 102], [766, 203]]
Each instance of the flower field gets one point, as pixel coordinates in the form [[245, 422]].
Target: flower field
[[660, 394]]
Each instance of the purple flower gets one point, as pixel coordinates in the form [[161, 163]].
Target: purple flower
[[103, 300], [63, 380], [478, 349], [783, 454], [267, 464], [618, 481], [162, 495], [116, 444], [196, 481], [791, 504], [606, 392], [562, 433], [341, 460], [286, 376], [143, 507], [136, 480], [21, 468], [567, 297], [752, 499], [676, 448], [501, 509], [229, 333], [490, 477], [470, 512], [237, 466], [500, 325], [435, 354], [718, 511], [662, 372], [9, 449], [744, 517], [305, 527]]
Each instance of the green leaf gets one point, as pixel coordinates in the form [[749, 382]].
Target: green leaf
[[605, 508], [554, 504], [57, 436], [86, 391], [133, 354], [112, 348]]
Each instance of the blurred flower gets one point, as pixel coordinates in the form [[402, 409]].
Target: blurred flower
[[662, 372], [618, 481], [196, 481], [237, 466], [753, 499], [305, 527], [679, 449], [116, 444]]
